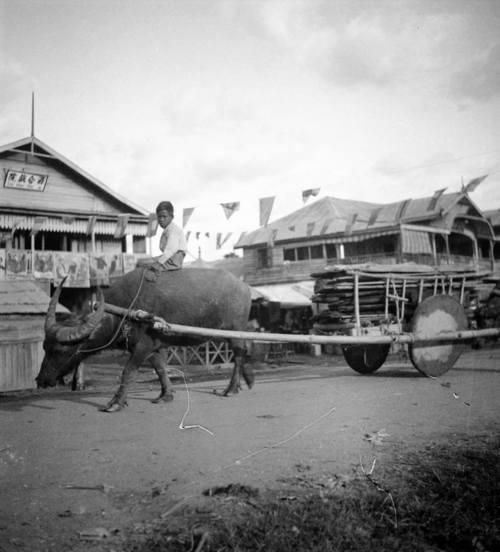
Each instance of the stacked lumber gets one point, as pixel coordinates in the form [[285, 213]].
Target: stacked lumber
[[385, 292]]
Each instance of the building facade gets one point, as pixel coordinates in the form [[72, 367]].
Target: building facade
[[58, 221], [445, 229]]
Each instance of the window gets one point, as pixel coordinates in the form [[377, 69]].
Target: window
[[331, 251], [316, 251], [302, 253]]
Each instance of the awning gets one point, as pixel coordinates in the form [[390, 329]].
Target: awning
[[294, 294], [414, 241], [69, 224]]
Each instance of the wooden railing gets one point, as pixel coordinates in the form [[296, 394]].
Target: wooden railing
[[301, 270]]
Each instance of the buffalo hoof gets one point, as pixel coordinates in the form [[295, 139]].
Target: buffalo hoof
[[248, 376], [231, 390], [113, 407], [167, 397]]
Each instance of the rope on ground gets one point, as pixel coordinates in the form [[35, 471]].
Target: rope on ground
[[238, 461], [456, 396], [182, 425], [371, 479]]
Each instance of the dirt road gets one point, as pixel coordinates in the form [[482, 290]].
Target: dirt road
[[69, 472]]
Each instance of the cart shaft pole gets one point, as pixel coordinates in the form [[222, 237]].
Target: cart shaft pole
[[162, 326]]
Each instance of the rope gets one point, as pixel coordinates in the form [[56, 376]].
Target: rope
[[182, 425], [122, 321], [238, 461]]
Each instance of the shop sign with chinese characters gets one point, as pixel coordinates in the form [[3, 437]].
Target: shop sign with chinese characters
[[25, 181]]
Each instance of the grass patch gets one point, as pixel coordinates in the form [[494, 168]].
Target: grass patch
[[444, 498]]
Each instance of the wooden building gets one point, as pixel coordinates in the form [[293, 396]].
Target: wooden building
[[23, 307], [493, 217], [439, 230], [57, 220]]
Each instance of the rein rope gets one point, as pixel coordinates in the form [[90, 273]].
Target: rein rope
[[120, 325]]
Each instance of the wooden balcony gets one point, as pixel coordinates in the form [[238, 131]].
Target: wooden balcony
[[302, 270]]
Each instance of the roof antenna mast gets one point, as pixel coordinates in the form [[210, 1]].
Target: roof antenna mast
[[32, 114], [32, 121]]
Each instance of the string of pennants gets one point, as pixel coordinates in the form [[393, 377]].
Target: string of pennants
[[265, 209], [266, 206]]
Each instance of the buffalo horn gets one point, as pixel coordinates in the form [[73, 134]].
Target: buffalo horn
[[66, 334], [51, 324]]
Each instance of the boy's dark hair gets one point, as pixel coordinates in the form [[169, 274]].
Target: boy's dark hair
[[165, 206]]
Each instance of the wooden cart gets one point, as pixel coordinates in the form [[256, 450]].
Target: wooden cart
[[366, 311], [371, 300]]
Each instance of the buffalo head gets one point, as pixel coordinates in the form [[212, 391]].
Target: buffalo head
[[64, 339]]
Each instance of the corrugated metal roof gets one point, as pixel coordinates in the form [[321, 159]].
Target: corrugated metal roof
[[493, 216], [34, 142], [331, 216], [24, 297]]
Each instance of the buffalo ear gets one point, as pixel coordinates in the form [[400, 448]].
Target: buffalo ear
[[73, 334]]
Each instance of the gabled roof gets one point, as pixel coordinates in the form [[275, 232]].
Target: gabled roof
[[24, 297], [493, 216], [31, 143], [331, 216]]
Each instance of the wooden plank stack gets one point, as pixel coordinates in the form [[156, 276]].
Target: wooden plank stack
[[387, 292]]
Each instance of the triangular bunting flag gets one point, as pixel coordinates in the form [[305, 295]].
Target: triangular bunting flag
[[67, 219], [226, 237], [306, 194], [272, 237], [310, 228], [197, 235], [374, 215], [350, 223], [292, 228], [402, 209], [91, 225], [474, 183], [207, 234], [188, 235], [435, 198], [121, 226], [265, 208], [230, 208], [325, 226], [38, 223], [218, 240], [186, 215], [152, 225]]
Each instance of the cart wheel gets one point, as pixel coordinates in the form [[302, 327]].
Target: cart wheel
[[436, 314], [365, 359]]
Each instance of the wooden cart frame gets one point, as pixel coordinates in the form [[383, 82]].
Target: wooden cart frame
[[435, 336]]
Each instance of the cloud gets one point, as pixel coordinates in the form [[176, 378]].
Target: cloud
[[15, 99], [417, 45], [479, 79], [394, 164]]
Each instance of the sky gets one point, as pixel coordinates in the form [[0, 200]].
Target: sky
[[203, 102]]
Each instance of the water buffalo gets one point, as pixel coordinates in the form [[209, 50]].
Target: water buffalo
[[208, 298]]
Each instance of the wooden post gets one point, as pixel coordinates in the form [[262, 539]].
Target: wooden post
[[356, 301], [32, 253], [80, 377], [434, 250]]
